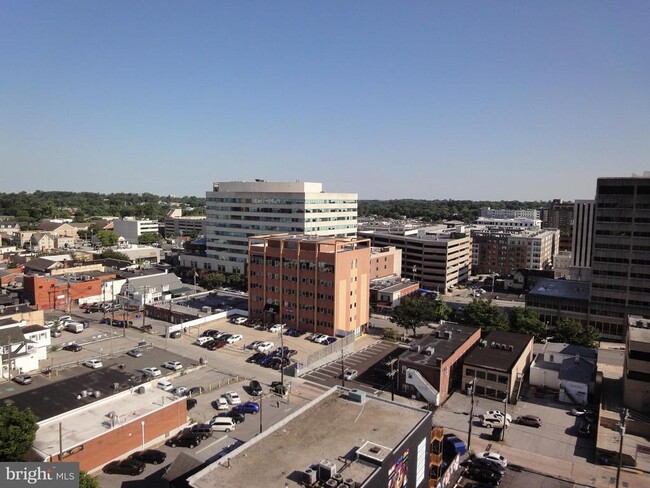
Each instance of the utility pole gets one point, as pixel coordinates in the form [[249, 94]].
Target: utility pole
[[472, 387], [60, 442], [391, 363], [505, 417], [282, 355], [261, 408], [625, 414], [342, 370], [144, 304]]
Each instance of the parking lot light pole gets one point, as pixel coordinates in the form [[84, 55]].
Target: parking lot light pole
[[342, 370], [472, 388], [505, 416], [261, 403], [282, 355]]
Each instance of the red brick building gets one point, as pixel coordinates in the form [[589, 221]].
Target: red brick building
[[56, 292], [317, 284]]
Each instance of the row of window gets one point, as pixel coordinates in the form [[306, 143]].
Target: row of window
[[483, 375]]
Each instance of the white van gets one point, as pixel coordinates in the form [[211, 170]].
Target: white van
[[223, 424], [202, 340], [75, 327], [492, 421]]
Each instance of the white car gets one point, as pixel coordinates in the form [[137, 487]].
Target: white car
[[350, 374], [233, 398], [93, 363], [320, 338], [152, 372], [579, 411], [498, 413], [222, 404], [179, 391], [175, 365], [253, 345], [64, 318], [49, 324], [165, 385], [276, 328], [234, 338], [493, 457], [265, 347]]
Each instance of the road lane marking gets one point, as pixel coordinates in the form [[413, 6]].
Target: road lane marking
[[212, 444]]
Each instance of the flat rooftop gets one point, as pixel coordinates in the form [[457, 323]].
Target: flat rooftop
[[332, 427], [442, 343], [90, 421], [569, 289]]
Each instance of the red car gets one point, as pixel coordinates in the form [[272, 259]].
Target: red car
[[216, 345]]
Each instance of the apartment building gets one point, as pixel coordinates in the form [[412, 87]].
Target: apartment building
[[385, 262], [176, 224], [318, 284], [131, 229], [506, 213], [238, 210], [438, 257], [515, 225], [504, 253], [620, 283], [559, 215], [584, 214]]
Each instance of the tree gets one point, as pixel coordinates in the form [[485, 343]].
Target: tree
[[107, 237], [17, 432], [87, 481], [210, 281], [526, 321], [238, 280], [413, 312], [573, 332], [481, 313], [149, 238], [111, 254]]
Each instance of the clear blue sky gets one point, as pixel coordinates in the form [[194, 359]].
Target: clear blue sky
[[473, 100]]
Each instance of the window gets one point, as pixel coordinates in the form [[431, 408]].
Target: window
[[503, 379], [470, 372], [491, 377], [480, 375]]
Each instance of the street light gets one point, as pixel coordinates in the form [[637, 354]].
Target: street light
[[471, 388]]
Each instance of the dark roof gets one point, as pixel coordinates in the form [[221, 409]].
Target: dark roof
[[442, 347], [8, 321], [11, 335], [500, 358], [579, 371], [32, 328], [42, 264], [569, 289]]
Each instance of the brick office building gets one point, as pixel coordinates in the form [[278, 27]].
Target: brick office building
[[318, 284], [57, 292]]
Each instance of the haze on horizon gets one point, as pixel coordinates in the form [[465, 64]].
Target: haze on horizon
[[495, 100]]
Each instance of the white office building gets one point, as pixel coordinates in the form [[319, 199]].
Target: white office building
[[506, 213], [131, 228], [238, 210]]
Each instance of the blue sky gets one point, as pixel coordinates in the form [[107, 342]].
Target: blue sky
[[467, 100]]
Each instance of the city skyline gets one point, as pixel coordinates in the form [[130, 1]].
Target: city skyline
[[489, 101]]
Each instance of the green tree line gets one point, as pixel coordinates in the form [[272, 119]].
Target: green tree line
[[33, 207], [438, 210]]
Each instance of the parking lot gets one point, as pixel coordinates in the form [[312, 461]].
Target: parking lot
[[553, 445], [362, 361]]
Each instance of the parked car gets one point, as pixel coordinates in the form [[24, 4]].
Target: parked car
[[165, 385], [276, 327], [209, 333], [253, 345], [265, 347], [255, 388], [194, 391], [203, 430], [584, 428], [152, 372], [64, 318], [152, 456], [530, 420], [179, 391], [290, 353], [328, 341], [498, 413], [247, 407], [234, 338], [350, 374], [55, 333], [484, 464], [184, 439], [493, 457], [579, 411], [135, 353], [239, 320], [221, 404], [237, 417], [173, 365], [93, 363], [484, 475], [175, 335], [23, 379], [132, 467], [233, 398], [255, 357], [72, 347], [214, 345]]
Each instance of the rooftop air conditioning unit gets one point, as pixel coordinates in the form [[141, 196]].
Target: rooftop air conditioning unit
[[429, 351], [309, 476], [326, 469]]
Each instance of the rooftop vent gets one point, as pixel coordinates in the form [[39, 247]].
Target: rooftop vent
[[447, 334], [511, 348], [429, 351]]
